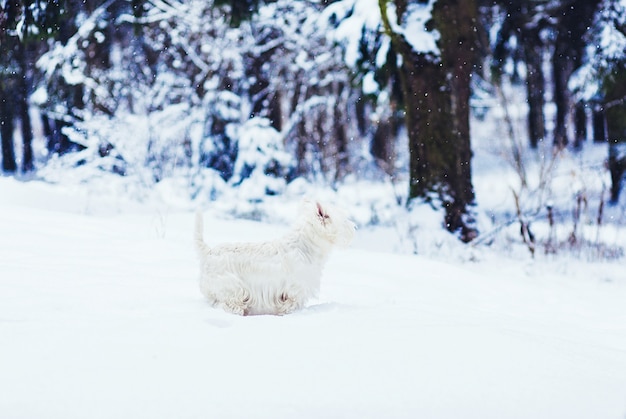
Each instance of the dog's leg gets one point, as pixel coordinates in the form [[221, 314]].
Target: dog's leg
[[237, 303], [231, 296], [233, 306], [288, 301]]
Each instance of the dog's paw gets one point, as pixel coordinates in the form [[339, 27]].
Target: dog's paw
[[235, 307], [287, 304]]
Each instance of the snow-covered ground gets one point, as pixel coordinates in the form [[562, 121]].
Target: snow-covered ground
[[101, 317]]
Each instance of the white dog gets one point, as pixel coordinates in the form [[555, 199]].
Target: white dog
[[273, 277]]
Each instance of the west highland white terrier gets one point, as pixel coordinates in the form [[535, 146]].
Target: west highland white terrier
[[272, 277]]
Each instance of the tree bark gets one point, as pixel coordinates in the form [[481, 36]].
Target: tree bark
[[6, 131], [436, 91], [598, 124], [576, 16], [535, 86], [580, 125], [615, 111], [456, 20], [22, 97], [385, 131], [561, 71]]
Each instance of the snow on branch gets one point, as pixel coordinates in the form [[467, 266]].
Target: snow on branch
[[412, 26]]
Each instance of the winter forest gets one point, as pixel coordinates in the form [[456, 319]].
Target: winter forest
[[479, 146], [254, 95]]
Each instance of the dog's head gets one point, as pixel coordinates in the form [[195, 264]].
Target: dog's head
[[328, 222]]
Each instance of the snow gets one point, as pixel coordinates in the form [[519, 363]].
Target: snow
[[101, 316], [100, 312], [356, 16], [606, 45], [369, 84], [353, 16], [413, 27]]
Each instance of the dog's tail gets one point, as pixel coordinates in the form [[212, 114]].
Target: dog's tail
[[201, 246]]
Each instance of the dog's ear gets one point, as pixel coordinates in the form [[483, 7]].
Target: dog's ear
[[321, 212]]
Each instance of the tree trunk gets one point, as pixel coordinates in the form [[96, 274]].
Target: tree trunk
[[580, 125], [6, 132], [339, 133], [598, 124], [575, 18], [27, 129], [456, 20], [27, 134], [382, 146], [617, 167], [535, 86], [615, 111], [265, 96], [436, 94], [561, 71]]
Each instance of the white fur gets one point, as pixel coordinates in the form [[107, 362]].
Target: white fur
[[272, 277]]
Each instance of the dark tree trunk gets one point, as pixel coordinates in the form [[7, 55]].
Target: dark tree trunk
[[27, 137], [598, 124], [436, 99], [561, 71], [302, 166], [580, 125], [9, 11], [456, 21], [617, 167], [341, 144], [27, 128], [360, 110], [6, 132], [382, 146], [615, 111], [535, 86], [419, 76], [48, 131], [575, 17]]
